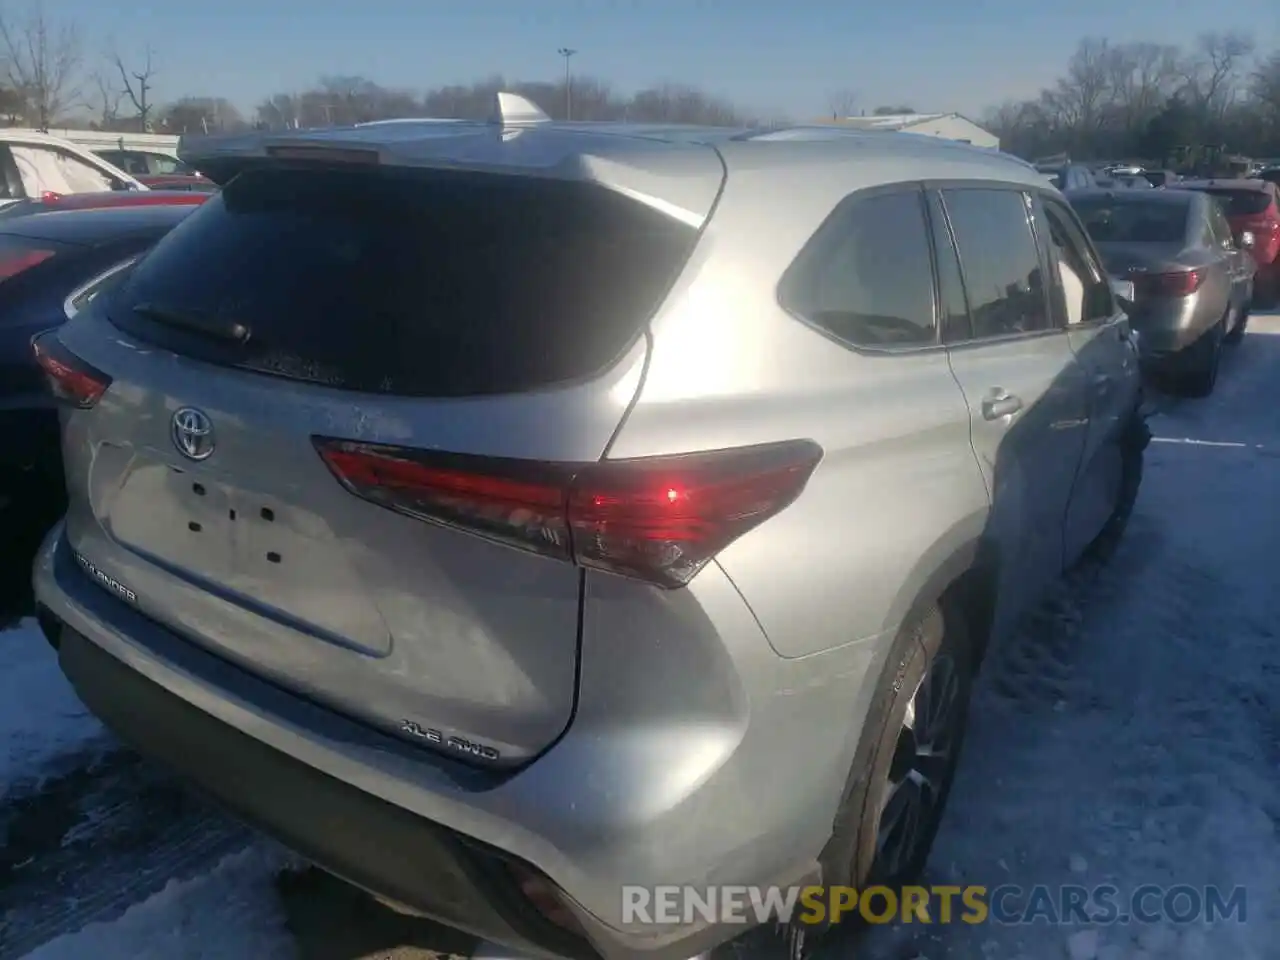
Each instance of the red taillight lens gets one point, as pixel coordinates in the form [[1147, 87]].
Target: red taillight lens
[[1181, 283], [660, 519], [13, 263], [71, 379]]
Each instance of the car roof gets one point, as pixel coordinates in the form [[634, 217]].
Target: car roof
[[1125, 195], [1259, 186], [675, 167], [92, 226]]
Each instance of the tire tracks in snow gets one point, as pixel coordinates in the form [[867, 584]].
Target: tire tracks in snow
[[85, 844]]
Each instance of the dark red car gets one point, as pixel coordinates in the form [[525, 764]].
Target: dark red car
[[114, 198], [1252, 207], [176, 181]]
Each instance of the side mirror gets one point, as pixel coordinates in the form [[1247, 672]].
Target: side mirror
[[1124, 291], [1247, 240]]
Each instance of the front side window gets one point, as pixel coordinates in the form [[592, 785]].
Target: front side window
[[867, 277], [999, 260]]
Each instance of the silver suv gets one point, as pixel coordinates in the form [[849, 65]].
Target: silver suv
[[503, 514]]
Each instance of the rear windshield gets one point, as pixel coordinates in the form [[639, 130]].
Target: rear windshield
[[421, 283], [1132, 220], [1240, 203]]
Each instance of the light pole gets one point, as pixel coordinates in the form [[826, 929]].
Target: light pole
[[567, 52]]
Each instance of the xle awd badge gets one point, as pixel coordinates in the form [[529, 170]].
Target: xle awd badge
[[192, 433], [414, 729]]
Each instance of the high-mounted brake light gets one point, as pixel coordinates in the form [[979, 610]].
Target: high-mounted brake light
[[71, 379], [660, 519], [324, 154], [13, 264]]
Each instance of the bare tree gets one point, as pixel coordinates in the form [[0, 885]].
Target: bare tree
[[842, 102], [1212, 73], [1265, 91], [137, 86], [42, 59], [1081, 97], [108, 100]]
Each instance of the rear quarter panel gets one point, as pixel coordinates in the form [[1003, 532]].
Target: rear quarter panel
[[898, 483]]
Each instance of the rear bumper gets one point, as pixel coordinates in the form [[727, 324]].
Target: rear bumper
[[1167, 327], [443, 839], [365, 840]]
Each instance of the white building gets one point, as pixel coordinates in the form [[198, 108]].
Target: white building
[[952, 126]]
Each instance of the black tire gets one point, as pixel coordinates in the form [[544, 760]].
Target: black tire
[[1133, 451], [1204, 359], [935, 636], [1237, 332]]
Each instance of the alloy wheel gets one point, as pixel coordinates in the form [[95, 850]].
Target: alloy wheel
[[922, 763]]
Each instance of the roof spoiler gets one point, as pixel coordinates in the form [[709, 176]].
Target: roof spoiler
[[220, 157]]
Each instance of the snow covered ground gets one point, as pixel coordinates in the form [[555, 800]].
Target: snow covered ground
[[1130, 736]]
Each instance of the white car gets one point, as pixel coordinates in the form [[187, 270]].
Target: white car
[[35, 165]]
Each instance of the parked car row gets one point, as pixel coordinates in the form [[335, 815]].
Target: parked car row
[[1193, 283], [448, 486], [35, 167]]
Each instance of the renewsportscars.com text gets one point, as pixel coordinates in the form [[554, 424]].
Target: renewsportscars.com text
[[1006, 904]]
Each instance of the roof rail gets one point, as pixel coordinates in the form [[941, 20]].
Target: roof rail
[[511, 110]]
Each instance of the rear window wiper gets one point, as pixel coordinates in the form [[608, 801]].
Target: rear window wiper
[[194, 321]]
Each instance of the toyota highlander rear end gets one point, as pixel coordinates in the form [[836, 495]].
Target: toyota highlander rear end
[[347, 547]]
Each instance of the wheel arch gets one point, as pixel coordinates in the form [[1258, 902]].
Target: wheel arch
[[960, 572]]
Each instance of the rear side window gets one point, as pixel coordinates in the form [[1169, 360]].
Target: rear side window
[[421, 283], [867, 277], [999, 260], [1242, 203], [1081, 292], [104, 282], [10, 177]]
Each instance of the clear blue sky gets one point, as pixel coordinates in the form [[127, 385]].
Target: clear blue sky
[[783, 56]]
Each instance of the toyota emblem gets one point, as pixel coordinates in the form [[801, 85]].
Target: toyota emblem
[[192, 433]]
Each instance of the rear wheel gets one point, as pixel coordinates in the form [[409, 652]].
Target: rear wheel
[[1200, 375], [1237, 332], [907, 759], [1133, 446], [1266, 292]]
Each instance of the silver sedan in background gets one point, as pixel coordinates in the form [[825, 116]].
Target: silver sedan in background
[[1192, 284]]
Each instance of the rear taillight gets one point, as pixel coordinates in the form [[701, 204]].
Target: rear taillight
[[1180, 283], [71, 379], [15, 262], [660, 519]]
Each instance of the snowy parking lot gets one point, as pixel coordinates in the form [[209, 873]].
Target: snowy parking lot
[[1130, 735]]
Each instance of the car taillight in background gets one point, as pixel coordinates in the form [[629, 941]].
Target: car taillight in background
[[1178, 283], [71, 379], [18, 255], [660, 519]]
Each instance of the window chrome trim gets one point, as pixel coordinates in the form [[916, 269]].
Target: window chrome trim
[[68, 305]]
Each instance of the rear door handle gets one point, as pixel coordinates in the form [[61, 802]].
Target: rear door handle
[[995, 408]]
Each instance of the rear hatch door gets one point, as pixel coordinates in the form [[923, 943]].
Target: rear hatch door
[[468, 315]]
